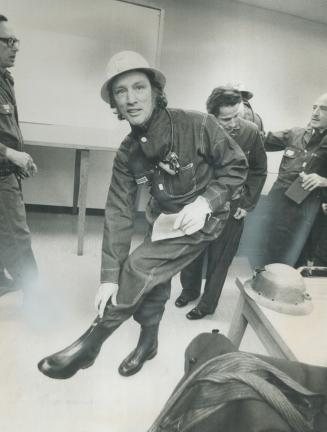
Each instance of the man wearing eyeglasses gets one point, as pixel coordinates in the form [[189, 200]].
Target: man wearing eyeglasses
[[16, 255]]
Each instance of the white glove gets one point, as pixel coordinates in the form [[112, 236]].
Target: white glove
[[240, 213], [105, 291], [192, 217]]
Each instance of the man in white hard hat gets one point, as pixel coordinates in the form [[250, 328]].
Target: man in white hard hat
[[193, 169]]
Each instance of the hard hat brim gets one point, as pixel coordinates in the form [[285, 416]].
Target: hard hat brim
[[246, 94], [292, 309], [159, 76]]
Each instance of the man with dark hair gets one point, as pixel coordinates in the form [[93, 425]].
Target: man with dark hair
[[224, 102], [16, 255], [193, 169]]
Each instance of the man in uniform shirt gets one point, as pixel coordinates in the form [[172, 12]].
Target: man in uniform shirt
[[296, 196], [16, 255]]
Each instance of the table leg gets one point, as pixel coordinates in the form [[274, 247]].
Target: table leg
[[85, 156], [239, 323], [77, 174]]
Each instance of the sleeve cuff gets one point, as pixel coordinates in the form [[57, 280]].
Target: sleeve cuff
[[3, 150], [110, 275]]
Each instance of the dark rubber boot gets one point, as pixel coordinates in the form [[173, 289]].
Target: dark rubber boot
[[146, 349], [79, 355]]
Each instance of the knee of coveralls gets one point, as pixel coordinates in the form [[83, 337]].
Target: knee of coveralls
[[16, 254], [152, 306], [191, 277], [153, 263]]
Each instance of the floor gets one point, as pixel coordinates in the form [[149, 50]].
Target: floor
[[97, 399]]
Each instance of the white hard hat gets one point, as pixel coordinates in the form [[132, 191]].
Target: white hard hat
[[125, 61], [281, 288]]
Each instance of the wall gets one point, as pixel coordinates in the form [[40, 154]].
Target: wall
[[279, 57], [59, 70], [210, 42]]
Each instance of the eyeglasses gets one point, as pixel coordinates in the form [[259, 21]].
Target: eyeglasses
[[11, 42]]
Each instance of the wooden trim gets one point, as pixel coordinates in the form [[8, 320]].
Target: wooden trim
[[161, 23]]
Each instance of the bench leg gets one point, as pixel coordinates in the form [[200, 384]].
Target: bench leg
[[239, 323]]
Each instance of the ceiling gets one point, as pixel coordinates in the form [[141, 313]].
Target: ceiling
[[314, 10]]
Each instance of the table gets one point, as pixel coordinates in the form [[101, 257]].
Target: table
[[300, 338], [80, 139]]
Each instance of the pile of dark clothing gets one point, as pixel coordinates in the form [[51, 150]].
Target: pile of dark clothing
[[224, 389]]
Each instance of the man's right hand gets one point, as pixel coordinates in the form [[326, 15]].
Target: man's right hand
[[105, 291], [21, 159]]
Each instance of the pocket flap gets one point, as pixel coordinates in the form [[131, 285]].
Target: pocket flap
[[290, 153]]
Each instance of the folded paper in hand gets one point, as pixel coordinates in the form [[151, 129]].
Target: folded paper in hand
[[163, 227]]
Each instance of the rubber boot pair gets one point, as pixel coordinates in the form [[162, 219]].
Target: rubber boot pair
[[79, 355], [146, 349]]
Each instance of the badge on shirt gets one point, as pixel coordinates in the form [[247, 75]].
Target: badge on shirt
[[289, 153], [142, 180], [6, 108]]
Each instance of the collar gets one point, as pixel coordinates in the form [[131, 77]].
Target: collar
[[5, 74], [313, 136], [319, 132], [155, 136]]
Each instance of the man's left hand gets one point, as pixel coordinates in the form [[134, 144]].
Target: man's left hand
[[193, 216], [312, 181], [240, 213]]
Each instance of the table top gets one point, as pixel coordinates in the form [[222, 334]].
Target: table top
[[304, 335], [50, 135]]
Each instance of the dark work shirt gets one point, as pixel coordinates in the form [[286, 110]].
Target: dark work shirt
[[211, 165], [10, 134], [302, 152]]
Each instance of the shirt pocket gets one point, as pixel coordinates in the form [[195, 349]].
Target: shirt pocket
[[290, 156], [182, 183]]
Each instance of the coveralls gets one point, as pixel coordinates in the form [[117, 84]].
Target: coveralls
[[16, 254], [211, 165], [287, 225], [222, 251]]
